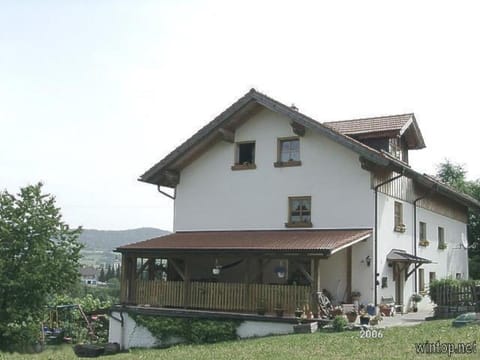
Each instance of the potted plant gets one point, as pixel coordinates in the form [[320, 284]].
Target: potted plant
[[375, 320], [351, 316], [424, 243], [416, 298], [298, 312], [364, 317], [386, 310]]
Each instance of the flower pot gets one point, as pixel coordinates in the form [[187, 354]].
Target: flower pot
[[298, 313], [352, 317], [261, 311], [364, 320]]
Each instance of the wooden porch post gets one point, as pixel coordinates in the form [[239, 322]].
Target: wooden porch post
[[316, 274], [123, 280], [315, 285], [131, 275], [186, 285], [248, 287], [349, 273]]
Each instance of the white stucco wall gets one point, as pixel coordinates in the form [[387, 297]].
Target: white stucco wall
[[362, 274], [133, 335], [333, 275], [249, 329], [452, 260], [210, 196], [446, 263], [130, 335]]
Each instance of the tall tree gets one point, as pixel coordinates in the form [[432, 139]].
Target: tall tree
[[102, 276], [455, 175], [452, 174], [39, 256]]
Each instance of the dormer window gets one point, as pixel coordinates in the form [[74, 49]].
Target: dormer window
[[245, 156], [397, 149], [288, 152]]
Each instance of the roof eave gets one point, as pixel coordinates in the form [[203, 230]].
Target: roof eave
[[429, 182]]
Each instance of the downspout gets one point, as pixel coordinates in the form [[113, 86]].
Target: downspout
[[415, 230], [375, 245]]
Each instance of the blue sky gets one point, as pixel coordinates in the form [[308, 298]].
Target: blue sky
[[93, 93]]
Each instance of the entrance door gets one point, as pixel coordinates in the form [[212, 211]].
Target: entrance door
[[399, 278]]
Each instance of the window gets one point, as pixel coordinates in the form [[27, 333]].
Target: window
[[421, 280], [288, 152], [398, 210], [431, 277], [423, 234], [245, 156], [441, 238], [458, 276], [395, 148], [299, 212]]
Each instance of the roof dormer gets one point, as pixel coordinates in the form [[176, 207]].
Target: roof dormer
[[395, 134]]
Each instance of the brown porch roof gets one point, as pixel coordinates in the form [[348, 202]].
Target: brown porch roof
[[325, 242]]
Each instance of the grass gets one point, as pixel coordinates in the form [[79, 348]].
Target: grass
[[397, 343]]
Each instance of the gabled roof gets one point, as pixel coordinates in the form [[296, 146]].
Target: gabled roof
[[166, 172], [160, 173], [87, 271], [382, 126], [323, 242]]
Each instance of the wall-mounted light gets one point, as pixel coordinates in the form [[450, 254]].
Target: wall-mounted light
[[216, 269], [368, 260], [280, 270]]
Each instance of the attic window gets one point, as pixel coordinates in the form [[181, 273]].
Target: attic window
[[288, 152], [398, 149], [395, 148], [245, 156]]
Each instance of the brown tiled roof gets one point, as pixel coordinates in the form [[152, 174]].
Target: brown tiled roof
[[368, 125], [322, 241]]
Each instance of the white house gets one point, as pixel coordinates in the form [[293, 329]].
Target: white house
[[271, 205]]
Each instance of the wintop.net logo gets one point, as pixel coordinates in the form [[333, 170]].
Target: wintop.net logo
[[446, 348]]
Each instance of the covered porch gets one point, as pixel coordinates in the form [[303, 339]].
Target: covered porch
[[235, 271]]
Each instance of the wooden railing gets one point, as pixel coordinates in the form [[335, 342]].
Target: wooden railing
[[237, 297]]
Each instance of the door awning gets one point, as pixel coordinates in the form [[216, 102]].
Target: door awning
[[397, 255], [402, 260]]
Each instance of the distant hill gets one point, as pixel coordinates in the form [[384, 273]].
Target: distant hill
[[108, 240]]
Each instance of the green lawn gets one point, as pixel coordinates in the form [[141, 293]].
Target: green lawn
[[397, 343]]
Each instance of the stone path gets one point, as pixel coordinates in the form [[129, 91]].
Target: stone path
[[408, 319]]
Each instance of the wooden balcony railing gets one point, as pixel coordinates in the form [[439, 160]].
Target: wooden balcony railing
[[236, 297]]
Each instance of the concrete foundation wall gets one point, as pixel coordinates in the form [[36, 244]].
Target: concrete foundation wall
[[132, 335]]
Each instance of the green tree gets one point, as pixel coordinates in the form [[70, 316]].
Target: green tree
[[102, 277], [452, 174], [110, 273], [455, 175], [39, 256]]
